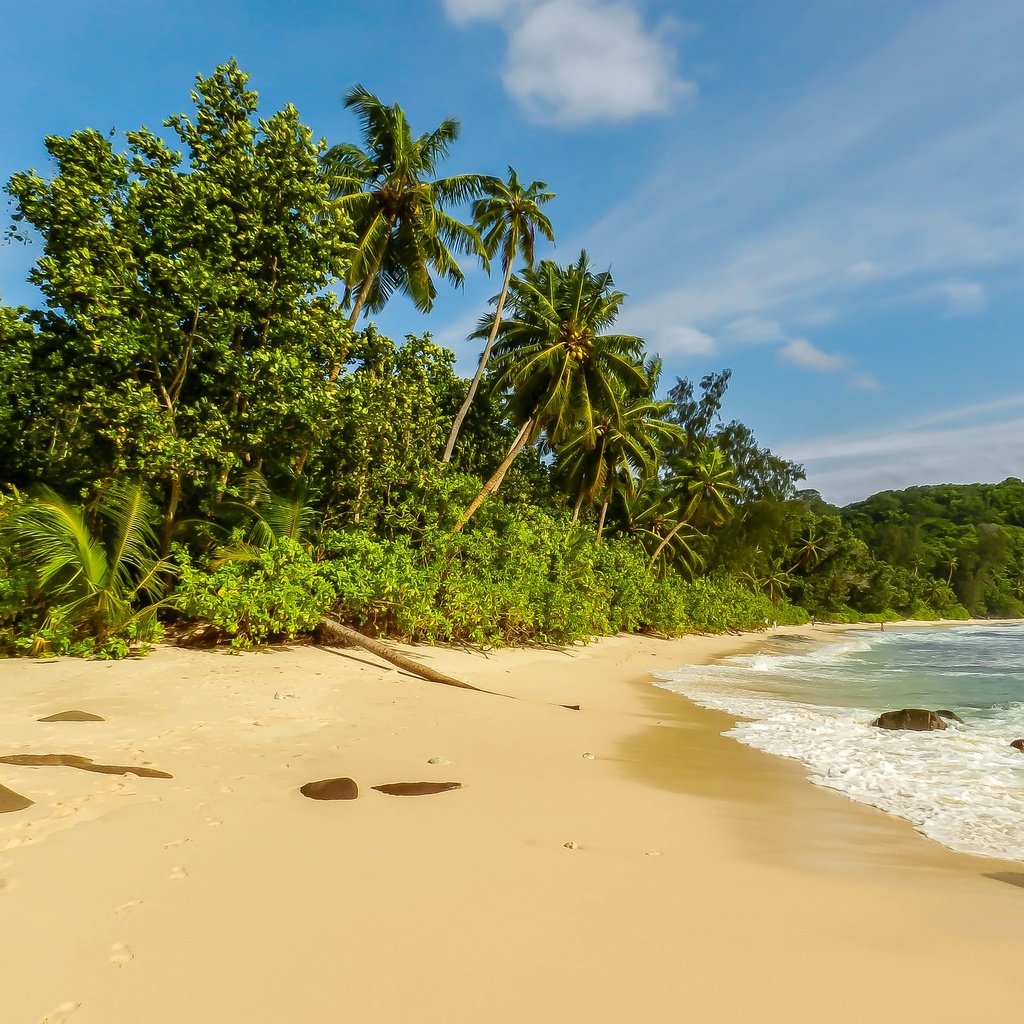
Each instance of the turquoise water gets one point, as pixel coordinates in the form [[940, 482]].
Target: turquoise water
[[963, 786]]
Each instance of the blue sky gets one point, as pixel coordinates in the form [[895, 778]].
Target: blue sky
[[827, 198]]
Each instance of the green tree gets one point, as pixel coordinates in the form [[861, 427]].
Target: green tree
[[508, 217], [189, 323], [404, 234], [553, 361], [705, 486], [625, 449], [655, 518]]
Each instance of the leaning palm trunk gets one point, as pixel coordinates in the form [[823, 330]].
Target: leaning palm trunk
[[600, 522], [332, 633], [665, 541], [499, 474], [478, 376]]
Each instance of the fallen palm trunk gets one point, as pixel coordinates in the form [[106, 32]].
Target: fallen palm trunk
[[331, 633]]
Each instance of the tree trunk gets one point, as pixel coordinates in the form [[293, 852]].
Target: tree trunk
[[478, 376], [171, 514], [364, 293], [499, 474], [600, 522], [331, 633], [665, 540], [576, 509]]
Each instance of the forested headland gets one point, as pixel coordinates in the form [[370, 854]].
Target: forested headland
[[201, 425]]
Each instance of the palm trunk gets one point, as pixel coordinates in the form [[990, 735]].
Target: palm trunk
[[171, 514], [332, 633], [364, 294], [600, 522], [576, 509], [478, 376], [499, 474], [665, 540]]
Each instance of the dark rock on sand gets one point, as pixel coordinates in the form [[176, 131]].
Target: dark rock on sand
[[417, 788], [331, 789], [11, 801], [1018, 744], [914, 719], [951, 716], [85, 763], [72, 716]]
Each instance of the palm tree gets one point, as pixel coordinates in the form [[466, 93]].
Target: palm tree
[[652, 518], [812, 548], [267, 516], [508, 217], [773, 583], [629, 439], [704, 485], [556, 366], [387, 190], [91, 573]]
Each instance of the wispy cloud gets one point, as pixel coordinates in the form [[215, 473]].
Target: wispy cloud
[[573, 62], [753, 330], [800, 352], [881, 178], [955, 447], [964, 296]]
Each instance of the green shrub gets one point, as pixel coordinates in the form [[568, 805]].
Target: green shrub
[[255, 596]]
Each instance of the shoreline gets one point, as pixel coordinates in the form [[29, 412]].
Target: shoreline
[[223, 895]]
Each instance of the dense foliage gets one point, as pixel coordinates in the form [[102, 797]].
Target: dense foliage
[[195, 428]]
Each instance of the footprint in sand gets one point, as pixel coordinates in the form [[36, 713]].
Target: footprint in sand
[[126, 908], [214, 822], [120, 954], [176, 842], [60, 1015], [178, 872]]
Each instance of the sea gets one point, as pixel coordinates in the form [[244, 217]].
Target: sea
[[963, 786]]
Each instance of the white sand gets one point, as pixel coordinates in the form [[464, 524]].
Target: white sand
[[710, 882]]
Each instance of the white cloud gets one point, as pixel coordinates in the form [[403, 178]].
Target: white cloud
[[579, 61], [800, 352], [462, 11], [864, 270], [754, 330], [849, 467], [864, 382], [963, 296], [681, 340], [779, 215]]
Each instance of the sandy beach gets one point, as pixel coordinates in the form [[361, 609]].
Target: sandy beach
[[675, 875]]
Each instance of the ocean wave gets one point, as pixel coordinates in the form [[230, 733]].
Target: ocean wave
[[963, 786]]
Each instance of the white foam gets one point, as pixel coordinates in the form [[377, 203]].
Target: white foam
[[963, 786]]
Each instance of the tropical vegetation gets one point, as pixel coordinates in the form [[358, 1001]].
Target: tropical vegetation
[[200, 432]]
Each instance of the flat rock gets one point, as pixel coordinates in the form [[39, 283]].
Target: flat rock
[[1018, 744], [914, 719], [331, 789], [11, 801], [85, 763], [950, 716], [72, 716], [416, 788]]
